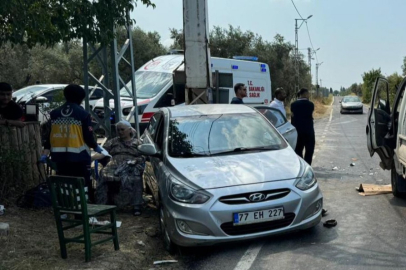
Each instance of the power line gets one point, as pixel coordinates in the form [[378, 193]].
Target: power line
[[311, 43], [296, 9], [308, 33]]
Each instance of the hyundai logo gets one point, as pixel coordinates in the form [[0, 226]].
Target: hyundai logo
[[256, 197]]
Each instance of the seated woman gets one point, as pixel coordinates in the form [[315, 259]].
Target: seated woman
[[125, 169]]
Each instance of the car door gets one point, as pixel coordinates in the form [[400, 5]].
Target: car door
[[155, 169], [280, 122], [379, 120]]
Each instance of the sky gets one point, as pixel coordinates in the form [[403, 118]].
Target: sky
[[354, 36]]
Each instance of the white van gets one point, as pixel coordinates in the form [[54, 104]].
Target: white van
[[386, 132], [155, 88]]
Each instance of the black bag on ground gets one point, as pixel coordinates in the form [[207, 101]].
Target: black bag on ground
[[37, 197]]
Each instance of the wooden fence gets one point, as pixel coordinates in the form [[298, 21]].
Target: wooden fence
[[20, 151]]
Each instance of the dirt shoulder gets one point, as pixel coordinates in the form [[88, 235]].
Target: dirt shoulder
[[322, 107], [33, 243]]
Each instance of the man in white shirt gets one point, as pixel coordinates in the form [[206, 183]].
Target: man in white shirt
[[277, 102]]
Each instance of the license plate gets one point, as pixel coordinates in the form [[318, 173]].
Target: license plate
[[258, 216]]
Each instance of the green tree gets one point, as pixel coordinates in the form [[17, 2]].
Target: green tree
[[48, 22], [63, 63], [394, 81], [404, 66], [368, 83], [177, 36]]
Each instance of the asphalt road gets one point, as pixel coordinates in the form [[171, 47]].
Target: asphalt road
[[371, 231]]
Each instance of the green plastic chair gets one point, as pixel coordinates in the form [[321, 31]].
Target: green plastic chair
[[68, 197]]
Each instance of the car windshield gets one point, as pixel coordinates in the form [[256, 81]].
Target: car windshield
[[351, 99], [27, 92], [216, 134], [148, 83]]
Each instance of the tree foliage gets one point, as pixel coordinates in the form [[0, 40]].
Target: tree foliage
[[63, 63], [48, 22], [368, 84]]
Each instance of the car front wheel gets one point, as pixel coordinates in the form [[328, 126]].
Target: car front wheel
[[168, 244]]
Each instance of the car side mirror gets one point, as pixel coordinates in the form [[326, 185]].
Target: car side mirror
[[340, 101], [147, 149], [41, 100]]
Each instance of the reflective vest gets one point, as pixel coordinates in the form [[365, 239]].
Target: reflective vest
[[71, 134]]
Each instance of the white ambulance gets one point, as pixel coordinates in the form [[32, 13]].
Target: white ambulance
[[155, 87]]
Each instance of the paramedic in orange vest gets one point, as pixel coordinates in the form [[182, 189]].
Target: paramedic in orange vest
[[71, 137]]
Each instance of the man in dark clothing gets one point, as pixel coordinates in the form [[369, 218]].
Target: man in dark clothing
[[240, 92], [9, 110], [70, 136], [302, 118]]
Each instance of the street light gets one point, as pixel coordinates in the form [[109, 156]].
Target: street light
[[297, 49]]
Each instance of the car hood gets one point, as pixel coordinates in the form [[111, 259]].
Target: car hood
[[237, 169], [352, 104]]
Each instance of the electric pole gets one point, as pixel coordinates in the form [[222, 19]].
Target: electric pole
[[297, 51], [309, 52], [317, 77]]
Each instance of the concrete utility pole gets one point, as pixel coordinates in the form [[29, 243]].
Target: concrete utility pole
[[297, 51], [317, 77], [310, 55], [197, 52]]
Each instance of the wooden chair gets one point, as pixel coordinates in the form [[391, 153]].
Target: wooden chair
[[68, 197]]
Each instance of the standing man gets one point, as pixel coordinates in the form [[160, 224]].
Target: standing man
[[70, 137], [277, 102], [302, 118], [240, 91], [9, 110]]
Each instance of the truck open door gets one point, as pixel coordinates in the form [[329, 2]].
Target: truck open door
[[378, 124]]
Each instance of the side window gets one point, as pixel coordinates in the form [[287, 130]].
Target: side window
[[225, 80], [165, 100], [153, 124], [382, 97], [97, 94], [159, 138], [54, 95], [274, 116], [179, 94]]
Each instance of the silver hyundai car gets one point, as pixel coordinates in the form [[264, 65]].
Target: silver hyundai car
[[223, 173]]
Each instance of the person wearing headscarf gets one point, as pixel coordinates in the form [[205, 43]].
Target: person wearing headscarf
[[120, 181]]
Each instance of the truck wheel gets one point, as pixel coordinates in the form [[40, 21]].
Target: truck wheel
[[398, 184]]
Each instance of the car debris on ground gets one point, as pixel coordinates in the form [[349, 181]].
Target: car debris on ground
[[371, 189]]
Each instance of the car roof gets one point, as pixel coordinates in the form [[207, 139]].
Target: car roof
[[208, 109]]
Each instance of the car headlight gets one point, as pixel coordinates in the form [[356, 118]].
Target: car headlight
[[307, 180], [182, 193]]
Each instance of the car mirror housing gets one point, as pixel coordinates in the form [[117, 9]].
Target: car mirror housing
[[41, 100], [147, 149]]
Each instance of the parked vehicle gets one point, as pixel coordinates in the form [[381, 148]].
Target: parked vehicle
[[386, 132], [155, 87], [351, 104], [46, 94], [223, 173], [279, 121]]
